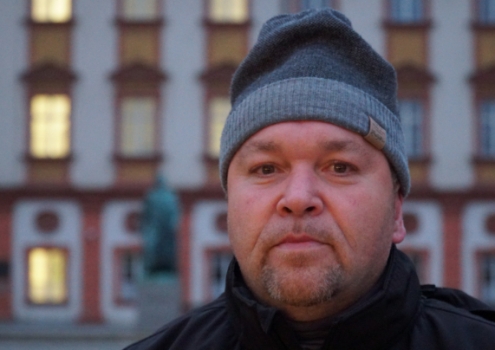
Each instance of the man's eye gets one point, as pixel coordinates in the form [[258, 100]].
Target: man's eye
[[340, 168], [267, 169]]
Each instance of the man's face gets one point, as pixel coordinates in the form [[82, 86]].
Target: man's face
[[312, 214]]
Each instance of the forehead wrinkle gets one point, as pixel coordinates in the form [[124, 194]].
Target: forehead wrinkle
[[329, 146], [254, 146], [342, 146]]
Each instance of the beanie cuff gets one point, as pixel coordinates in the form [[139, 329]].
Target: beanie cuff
[[312, 99]]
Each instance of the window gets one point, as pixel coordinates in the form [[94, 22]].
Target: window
[[140, 9], [219, 109], [219, 265], [293, 6], [47, 275], [138, 126], [51, 10], [406, 11], [488, 279], [487, 128], [486, 11], [50, 126], [420, 259], [313, 4], [130, 271], [412, 115], [137, 81], [418, 262], [228, 11]]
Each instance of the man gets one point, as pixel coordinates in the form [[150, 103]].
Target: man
[[313, 164]]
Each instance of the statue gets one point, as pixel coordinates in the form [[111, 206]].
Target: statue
[[158, 224]]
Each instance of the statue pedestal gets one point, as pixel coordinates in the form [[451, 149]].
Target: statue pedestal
[[159, 301]]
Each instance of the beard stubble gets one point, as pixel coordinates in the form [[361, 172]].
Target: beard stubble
[[301, 282]]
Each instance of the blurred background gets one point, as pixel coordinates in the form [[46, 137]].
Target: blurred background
[[112, 218]]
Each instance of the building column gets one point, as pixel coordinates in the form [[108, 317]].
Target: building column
[[184, 256], [6, 212], [452, 240], [91, 244]]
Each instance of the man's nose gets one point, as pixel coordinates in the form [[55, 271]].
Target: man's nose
[[301, 196]]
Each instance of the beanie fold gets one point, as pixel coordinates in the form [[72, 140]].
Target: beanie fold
[[312, 99]]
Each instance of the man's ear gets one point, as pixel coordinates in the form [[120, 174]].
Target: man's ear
[[399, 230]]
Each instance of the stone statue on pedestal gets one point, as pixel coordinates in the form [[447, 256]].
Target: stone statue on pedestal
[[159, 224]]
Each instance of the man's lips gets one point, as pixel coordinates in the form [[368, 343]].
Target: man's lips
[[298, 241]]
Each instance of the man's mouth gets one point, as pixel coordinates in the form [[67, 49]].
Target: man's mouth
[[298, 242]]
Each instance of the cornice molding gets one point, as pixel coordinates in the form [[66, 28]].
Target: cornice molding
[[138, 72], [220, 73], [414, 74], [49, 72], [484, 76]]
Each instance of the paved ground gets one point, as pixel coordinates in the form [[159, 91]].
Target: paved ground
[[14, 336], [159, 303]]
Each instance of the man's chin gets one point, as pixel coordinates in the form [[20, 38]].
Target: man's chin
[[302, 287]]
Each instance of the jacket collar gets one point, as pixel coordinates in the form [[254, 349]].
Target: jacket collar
[[376, 321]]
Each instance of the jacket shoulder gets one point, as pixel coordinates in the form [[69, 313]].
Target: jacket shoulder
[[459, 300], [451, 319], [207, 327]]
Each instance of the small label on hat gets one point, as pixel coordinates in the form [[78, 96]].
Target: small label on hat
[[377, 135]]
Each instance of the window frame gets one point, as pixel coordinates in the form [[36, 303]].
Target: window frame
[[420, 15], [154, 129], [209, 255], [480, 256], [481, 131], [121, 7], [226, 21], [118, 254], [69, 131], [294, 6], [209, 127], [120, 124], [49, 19], [66, 252], [422, 129], [423, 270], [479, 15]]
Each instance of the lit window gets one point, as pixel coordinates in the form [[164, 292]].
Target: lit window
[[411, 115], [488, 279], [487, 128], [218, 111], [486, 11], [130, 271], [407, 11], [228, 11], [51, 10], [140, 9], [50, 126], [219, 265], [138, 127], [47, 276]]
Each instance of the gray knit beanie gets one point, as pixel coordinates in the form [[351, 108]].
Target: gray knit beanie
[[314, 66]]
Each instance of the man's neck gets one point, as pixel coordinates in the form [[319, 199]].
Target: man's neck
[[311, 335]]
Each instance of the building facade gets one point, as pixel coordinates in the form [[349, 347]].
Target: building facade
[[100, 97]]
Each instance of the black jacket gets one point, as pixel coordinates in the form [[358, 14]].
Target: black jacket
[[398, 315]]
